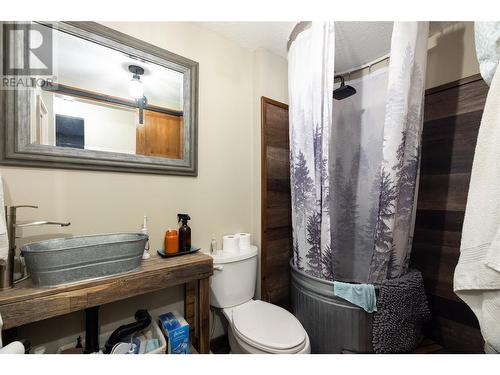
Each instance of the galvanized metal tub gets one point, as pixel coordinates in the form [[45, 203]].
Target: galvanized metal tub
[[333, 324], [67, 260]]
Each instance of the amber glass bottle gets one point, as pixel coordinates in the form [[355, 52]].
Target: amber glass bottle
[[184, 233]]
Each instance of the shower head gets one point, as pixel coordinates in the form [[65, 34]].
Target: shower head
[[344, 91]]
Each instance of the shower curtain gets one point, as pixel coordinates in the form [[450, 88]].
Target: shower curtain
[[310, 81], [401, 151], [356, 156], [354, 164]]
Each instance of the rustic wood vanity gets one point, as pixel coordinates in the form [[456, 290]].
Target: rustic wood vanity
[[25, 304]]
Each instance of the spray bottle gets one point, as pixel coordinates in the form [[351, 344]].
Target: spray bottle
[[184, 233]]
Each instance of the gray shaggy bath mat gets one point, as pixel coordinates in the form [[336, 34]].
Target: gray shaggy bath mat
[[402, 310]]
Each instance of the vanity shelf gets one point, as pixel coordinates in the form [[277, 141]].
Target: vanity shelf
[[25, 304]]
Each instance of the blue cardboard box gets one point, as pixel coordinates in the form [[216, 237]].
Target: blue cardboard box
[[176, 331]]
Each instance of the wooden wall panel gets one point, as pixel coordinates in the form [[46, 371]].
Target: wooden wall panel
[[276, 211], [452, 118]]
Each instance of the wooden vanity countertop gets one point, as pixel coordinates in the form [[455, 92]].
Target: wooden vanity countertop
[[25, 304]]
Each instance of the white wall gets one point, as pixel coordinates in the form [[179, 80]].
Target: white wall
[[107, 128], [270, 80], [451, 54], [221, 200]]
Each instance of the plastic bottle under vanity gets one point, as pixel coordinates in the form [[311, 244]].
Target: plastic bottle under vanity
[[144, 230]]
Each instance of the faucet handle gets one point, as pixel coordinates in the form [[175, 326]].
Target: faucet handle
[[13, 209]]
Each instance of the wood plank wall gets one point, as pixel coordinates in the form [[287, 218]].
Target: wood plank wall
[[452, 118], [276, 211]]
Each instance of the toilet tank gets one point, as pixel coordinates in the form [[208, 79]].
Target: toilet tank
[[234, 278]]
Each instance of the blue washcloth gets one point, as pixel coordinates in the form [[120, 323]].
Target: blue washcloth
[[362, 295]]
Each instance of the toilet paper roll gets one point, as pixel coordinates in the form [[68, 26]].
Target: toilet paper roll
[[244, 242], [230, 243]]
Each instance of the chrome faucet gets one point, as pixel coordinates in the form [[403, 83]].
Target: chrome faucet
[[7, 270]]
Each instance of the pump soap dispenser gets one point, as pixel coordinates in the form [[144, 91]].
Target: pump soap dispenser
[[144, 230], [184, 233]]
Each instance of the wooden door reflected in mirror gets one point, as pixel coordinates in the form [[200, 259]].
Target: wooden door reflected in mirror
[[160, 135]]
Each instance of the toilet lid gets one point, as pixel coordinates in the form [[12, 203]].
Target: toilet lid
[[268, 326]]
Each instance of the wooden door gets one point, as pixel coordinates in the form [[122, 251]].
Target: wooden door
[[276, 210], [160, 135]]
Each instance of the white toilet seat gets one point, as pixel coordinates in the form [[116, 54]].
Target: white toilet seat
[[242, 340], [240, 347], [277, 331]]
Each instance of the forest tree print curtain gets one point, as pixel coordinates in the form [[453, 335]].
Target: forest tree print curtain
[[401, 151], [310, 81], [354, 165], [356, 156]]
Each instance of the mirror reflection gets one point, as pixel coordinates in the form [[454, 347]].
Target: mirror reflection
[[106, 100]]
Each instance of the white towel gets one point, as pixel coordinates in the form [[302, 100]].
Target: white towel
[[4, 241], [487, 40], [477, 275]]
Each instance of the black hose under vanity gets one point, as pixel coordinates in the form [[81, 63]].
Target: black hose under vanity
[[143, 320]]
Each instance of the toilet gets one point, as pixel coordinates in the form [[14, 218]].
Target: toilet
[[255, 327]]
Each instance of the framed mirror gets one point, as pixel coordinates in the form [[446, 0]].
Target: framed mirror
[[83, 96]]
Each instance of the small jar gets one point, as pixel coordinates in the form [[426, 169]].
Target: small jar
[[171, 242]]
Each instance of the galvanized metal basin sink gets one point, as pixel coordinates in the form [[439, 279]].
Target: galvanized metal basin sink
[[67, 260]]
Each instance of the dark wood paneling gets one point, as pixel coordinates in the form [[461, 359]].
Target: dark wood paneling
[[456, 337], [439, 220], [437, 264], [276, 211], [452, 118], [278, 166], [447, 143], [443, 191], [457, 98]]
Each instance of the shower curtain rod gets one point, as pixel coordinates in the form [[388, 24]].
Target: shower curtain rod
[[304, 25], [364, 66]]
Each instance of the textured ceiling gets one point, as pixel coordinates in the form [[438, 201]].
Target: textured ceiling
[[252, 35], [356, 42]]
